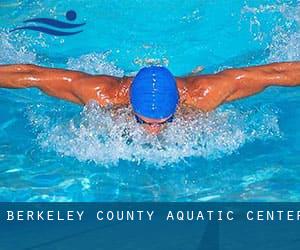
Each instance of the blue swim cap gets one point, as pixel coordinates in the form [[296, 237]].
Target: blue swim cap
[[154, 93]]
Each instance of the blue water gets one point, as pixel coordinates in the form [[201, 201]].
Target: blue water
[[52, 150]]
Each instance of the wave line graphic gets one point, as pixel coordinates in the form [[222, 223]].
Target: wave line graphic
[[48, 31], [54, 23]]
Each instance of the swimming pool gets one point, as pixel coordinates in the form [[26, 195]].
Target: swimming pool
[[51, 150]]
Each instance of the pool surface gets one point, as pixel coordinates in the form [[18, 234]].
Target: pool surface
[[248, 150]]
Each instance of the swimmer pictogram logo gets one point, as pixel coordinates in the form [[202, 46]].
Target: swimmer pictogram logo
[[57, 28]]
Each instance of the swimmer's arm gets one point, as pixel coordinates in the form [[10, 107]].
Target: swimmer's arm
[[74, 86], [207, 92], [54, 82], [255, 79]]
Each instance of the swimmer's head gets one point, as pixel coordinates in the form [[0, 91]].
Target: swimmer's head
[[154, 95]]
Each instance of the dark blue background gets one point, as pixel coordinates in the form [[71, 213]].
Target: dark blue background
[[156, 234]]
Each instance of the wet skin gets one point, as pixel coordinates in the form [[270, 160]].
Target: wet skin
[[203, 92]]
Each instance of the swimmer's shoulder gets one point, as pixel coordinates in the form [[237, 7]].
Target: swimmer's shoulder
[[190, 86], [205, 92], [104, 89]]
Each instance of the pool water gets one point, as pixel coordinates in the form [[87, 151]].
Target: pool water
[[248, 150]]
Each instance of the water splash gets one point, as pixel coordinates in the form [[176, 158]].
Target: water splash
[[264, 8], [195, 16], [12, 51], [285, 45], [106, 136], [285, 36], [143, 62], [95, 63]]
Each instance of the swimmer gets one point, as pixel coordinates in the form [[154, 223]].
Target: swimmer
[[154, 93]]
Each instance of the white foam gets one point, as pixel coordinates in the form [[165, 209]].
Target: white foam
[[95, 63], [106, 136], [12, 51], [285, 44]]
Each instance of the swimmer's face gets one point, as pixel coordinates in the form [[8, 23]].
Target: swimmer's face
[[152, 126]]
